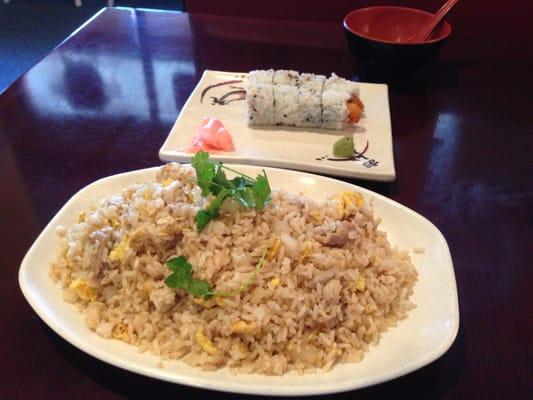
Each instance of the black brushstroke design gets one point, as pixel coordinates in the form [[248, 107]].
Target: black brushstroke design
[[217, 85], [226, 98]]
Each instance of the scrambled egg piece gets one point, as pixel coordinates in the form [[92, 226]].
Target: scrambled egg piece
[[115, 223], [335, 350], [204, 303], [243, 327], [83, 290], [360, 284], [239, 347], [273, 249], [137, 232], [346, 199], [220, 302], [120, 332], [274, 282], [82, 217], [317, 215], [118, 254], [167, 182], [205, 343], [147, 288], [198, 300], [306, 252], [148, 190]]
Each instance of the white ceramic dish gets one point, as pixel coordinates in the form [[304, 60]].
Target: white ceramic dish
[[296, 148], [425, 335]]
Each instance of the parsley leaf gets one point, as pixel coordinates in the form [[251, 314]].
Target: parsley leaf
[[202, 218], [205, 171], [219, 180], [261, 191], [241, 182], [181, 278], [211, 178], [179, 263], [245, 197], [200, 288], [181, 273]]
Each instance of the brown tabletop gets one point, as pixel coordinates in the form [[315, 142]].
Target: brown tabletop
[[104, 101]]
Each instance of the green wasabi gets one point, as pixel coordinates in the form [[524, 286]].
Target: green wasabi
[[344, 147]]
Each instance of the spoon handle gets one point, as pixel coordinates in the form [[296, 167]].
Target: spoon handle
[[439, 15]]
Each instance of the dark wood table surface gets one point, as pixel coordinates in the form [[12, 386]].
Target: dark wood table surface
[[104, 101]]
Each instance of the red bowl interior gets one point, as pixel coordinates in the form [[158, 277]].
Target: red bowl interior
[[391, 24]]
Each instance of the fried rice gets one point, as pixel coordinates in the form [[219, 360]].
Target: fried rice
[[329, 286]]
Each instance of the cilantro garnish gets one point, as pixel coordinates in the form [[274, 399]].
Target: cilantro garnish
[[249, 192], [211, 178], [205, 171], [181, 278]]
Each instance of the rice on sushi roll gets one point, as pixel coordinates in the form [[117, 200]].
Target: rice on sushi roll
[[260, 104], [310, 100]]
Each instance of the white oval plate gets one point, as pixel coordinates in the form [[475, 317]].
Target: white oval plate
[[425, 335]]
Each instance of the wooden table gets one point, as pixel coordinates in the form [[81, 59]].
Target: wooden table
[[104, 100]]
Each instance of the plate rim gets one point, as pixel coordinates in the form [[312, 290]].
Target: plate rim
[[236, 386], [386, 175]]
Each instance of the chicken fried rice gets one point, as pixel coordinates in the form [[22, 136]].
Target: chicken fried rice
[[329, 284]]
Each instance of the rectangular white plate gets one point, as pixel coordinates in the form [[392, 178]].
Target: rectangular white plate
[[305, 149], [425, 335]]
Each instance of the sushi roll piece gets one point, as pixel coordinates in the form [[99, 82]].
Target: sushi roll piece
[[339, 84], [286, 105], [310, 100], [261, 76], [286, 97], [334, 111], [260, 104], [312, 83], [286, 77], [340, 103]]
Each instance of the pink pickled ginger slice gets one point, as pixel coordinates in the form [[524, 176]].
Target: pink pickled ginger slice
[[210, 136], [225, 141]]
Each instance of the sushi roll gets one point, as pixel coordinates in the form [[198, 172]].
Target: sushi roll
[[340, 102], [285, 97], [286, 77], [286, 105], [260, 104], [310, 100], [261, 76]]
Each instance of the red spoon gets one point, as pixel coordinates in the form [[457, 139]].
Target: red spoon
[[427, 29]]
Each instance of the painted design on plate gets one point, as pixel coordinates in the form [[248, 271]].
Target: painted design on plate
[[225, 98], [229, 97]]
